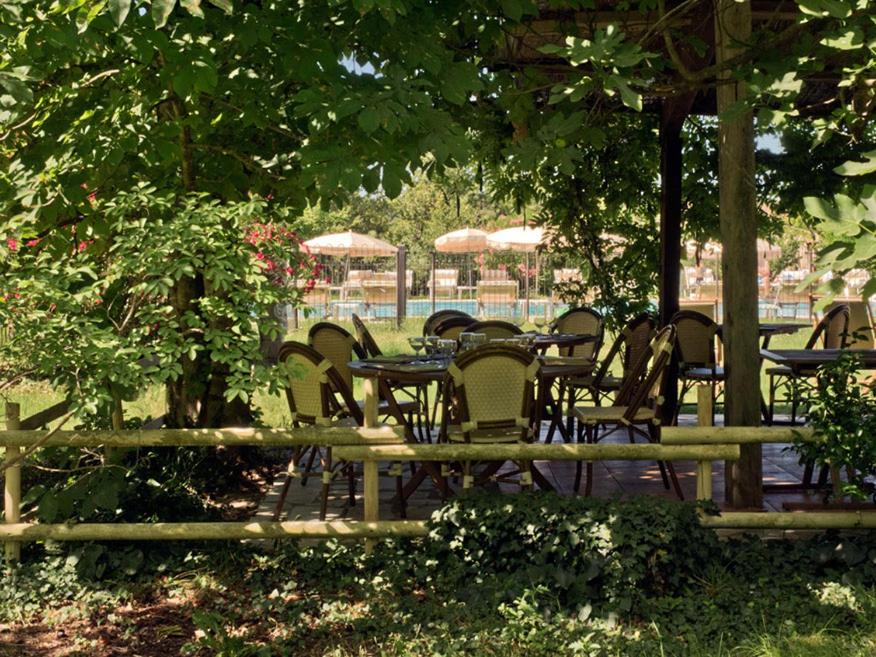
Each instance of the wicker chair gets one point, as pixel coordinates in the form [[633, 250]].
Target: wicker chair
[[490, 391], [494, 329], [630, 343], [450, 327], [697, 360], [581, 321], [437, 317], [337, 345], [417, 394], [861, 334], [831, 332], [578, 321], [638, 404], [312, 390]]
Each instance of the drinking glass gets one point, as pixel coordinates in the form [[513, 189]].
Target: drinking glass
[[432, 344], [446, 347], [540, 322], [465, 341], [417, 344]]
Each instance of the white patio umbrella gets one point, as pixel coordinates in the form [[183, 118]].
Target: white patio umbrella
[[464, 240], [350, 244], [522, 240], [519, 238]]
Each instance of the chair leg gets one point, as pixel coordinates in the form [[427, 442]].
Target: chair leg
[[278, 509], [399, 492], [771, 411], [309, 467], [351, 484]]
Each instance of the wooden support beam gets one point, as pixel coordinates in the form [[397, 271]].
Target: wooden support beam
[[738, 219], [705, 405], [704, 480], [674, 112]]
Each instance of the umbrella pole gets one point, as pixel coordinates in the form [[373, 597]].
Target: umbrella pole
[[432, 286], [526, 283]]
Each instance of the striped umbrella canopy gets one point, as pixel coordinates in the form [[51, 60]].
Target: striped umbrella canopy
[[464, 240], [350, 244]]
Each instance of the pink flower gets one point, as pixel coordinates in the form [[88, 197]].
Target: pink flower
[[84, 244], [12, 244], [32, 243]]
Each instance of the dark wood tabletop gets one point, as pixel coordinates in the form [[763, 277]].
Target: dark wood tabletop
[[811, 359], [422, 369]]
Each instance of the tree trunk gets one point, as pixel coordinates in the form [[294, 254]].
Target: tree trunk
[[738, 219], [184, 394]]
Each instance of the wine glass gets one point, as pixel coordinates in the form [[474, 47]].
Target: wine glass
[[540, 322], [417, 343]]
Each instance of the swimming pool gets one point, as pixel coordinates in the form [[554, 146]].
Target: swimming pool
[[537, 308]]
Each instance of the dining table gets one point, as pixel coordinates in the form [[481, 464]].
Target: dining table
[[802, 361], [381, 373]]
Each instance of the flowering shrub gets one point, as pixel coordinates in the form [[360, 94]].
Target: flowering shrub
[[96, 309]]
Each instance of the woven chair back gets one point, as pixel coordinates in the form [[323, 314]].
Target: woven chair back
[[451, 327], [437, 317], [643, 388], [637, 337], [366, 340], [832, 330], [495, 329], [581, 321], [629, 344], [861, 334], [335, 343], [494, 387], [707, 308], [310, 384], [695, 334]]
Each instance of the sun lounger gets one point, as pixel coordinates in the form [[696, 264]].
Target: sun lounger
[[445, 283], [380, 298], [497, 297]]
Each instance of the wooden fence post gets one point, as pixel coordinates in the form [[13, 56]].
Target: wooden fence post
[[705, 405], [12, 478]]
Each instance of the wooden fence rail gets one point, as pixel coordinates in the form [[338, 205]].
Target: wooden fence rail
[[372, 445]]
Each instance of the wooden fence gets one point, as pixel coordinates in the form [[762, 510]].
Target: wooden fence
[[371, 446]]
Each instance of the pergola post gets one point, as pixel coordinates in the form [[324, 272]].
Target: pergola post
[[671, 121], [738, 219]]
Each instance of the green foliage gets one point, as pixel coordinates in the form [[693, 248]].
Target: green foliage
[[842, 412], [469, 588], [93, 310], [609, 556]]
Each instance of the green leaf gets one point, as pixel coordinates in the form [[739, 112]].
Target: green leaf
[[834, 8], [629, 97], [852, 168], [193, 7], [369, 119], [161, 10], [224, 5], [119, 10]]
